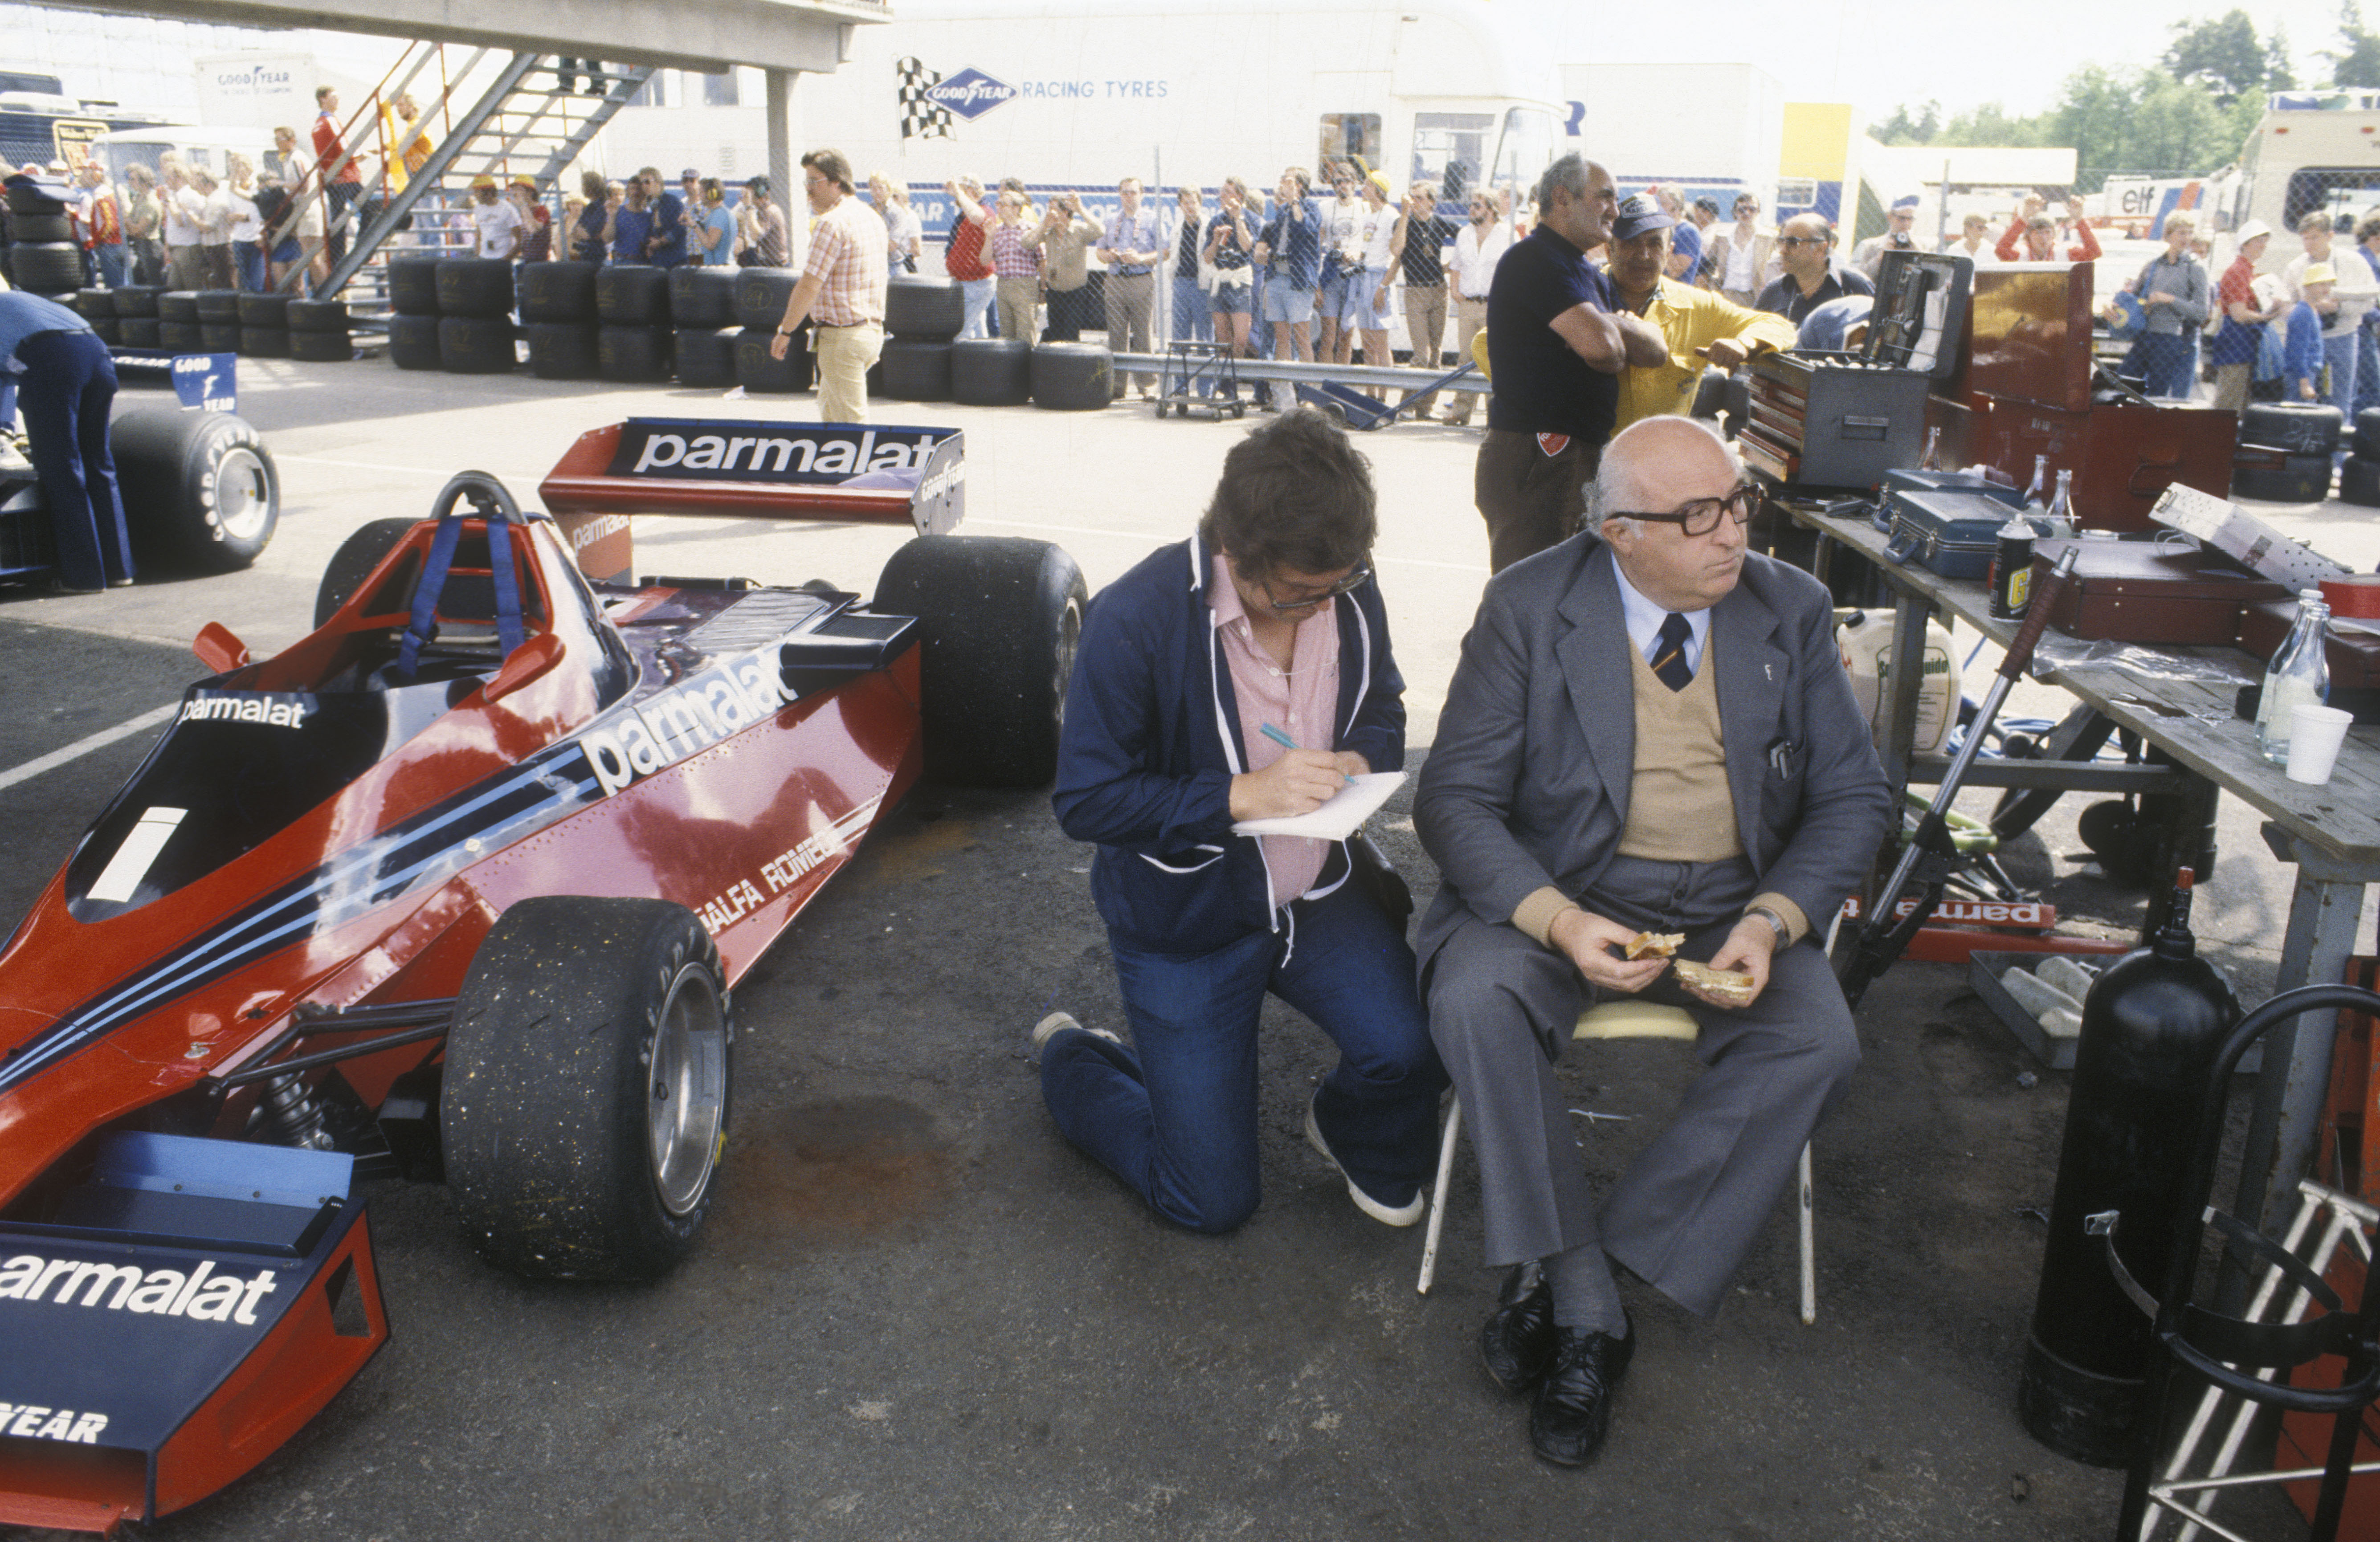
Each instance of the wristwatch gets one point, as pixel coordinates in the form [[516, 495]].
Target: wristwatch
[[1775, 923]]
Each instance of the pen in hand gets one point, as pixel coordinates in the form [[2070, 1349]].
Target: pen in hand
[[1277, 737]]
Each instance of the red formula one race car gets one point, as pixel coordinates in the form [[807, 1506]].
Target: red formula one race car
[[458, 886]]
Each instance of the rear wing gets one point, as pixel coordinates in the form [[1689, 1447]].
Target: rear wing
[[749, 470]]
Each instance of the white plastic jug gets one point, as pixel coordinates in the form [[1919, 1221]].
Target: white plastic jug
[[1864, 641]]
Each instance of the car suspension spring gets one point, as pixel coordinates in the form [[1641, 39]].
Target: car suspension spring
[[287, 1113]]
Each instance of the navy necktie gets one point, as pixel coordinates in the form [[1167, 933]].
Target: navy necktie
[[1670, 664]]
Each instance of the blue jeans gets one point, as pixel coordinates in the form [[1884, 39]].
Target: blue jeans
[[1175, 1114], [2339, 354], [975, 298], [112, 264], [1193, 317], [2167, 362], [249, 259]]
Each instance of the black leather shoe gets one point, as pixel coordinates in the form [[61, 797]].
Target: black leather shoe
[[1573, 1404], [1517, 1343]]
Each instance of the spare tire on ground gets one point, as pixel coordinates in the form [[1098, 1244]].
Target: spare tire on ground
[[633, 353], [917, 371], [92, 304], [2299, 428], [476, 345], [107, 329], [199, 488], [2301, 480], [702, 297], [631, 294], [474, 286], [178, 304], [50, 268], [562, 351], [26, 229], [137, 299], [762, 295], [318, 315], [264, 342], [332, 348], [413, 286], [2367, 432], [412, 341], [219, 336], [706, 357], [557, 291], [999, 619], [1073, 377], [218, 305], [2359, 479], [181, 336], [991, 371], [755, 371], [138, 331], [264, 310], [923, 310]]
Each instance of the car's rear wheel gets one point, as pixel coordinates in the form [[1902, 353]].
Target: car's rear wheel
[[999, 618], [588, 1089]]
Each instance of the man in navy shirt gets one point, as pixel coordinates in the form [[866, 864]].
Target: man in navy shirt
[[68, 383], [1292, 243], [1556, 344], [1811, 276]]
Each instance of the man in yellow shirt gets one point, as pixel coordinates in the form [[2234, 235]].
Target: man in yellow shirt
[[1700, 325]]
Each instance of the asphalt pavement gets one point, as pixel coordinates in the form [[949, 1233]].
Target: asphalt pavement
[[916, 1313]]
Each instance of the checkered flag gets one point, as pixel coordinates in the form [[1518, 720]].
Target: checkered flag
[[921, 118]]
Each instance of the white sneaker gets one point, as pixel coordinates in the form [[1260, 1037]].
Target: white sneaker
[[1054, 1023], [1388, 1215]]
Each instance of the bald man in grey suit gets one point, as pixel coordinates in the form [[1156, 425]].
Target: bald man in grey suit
[[1650, 730]]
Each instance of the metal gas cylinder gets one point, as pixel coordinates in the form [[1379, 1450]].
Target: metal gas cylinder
[[2151, 1027]]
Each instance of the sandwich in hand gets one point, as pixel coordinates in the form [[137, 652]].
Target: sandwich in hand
[[1719, 985], [1653, 945]]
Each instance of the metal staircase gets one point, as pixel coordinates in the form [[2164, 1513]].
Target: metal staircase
[[531, 118]]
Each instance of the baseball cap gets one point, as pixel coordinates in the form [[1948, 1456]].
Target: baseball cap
[[689, 175], [1638, 214], [1907, 204]]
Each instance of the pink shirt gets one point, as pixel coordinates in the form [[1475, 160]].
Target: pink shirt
[[1299, 700]]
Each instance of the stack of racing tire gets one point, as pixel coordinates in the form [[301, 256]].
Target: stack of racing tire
[[921, 316], [450, 313], [762, 295], [632, 301], [38, 252], [557, 314], [2285, 451], [702, 311], [2359, 479], [98, 308], [1010, 372]]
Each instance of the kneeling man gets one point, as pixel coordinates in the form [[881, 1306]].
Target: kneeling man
[[1651, 731]]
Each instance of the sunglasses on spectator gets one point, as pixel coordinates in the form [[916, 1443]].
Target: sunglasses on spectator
[[1354, 580], [1700, 517]]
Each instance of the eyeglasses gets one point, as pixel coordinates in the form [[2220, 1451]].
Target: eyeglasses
[[1802, 241], [1355, 578], [1700, 517]]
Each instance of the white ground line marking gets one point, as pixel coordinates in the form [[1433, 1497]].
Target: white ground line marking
[[84, 746]]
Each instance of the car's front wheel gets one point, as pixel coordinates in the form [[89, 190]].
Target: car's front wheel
[[587, 1089]]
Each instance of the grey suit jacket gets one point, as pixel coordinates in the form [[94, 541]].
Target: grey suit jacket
[[1528, 783]]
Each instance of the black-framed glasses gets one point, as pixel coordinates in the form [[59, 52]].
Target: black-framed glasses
[[1353, 579], [1802, 241], [1699, 516]]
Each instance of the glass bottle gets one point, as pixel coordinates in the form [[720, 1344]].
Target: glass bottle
[[2036, 497], [2299, 674], [2062, 520], [1932, 459]]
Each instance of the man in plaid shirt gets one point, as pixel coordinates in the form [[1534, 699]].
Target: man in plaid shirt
[[843, 288]]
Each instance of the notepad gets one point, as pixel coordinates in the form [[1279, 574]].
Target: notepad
[[1337, 820]]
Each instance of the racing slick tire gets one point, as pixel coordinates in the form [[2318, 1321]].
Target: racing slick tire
[[178, 304], [200, 489], [755, 371], [1073, 377], [706, 356], [95, 305], [412, 341], [476, 345], [631, 294], [318, 315], [915, 372], [999, 618], [323, 347], [702, 297], [50, 268], [557, 291], [353, 560], [264, 311], [562, 351], [107, 329], [2367, 432], [474, 286], [220, 306], [413, 286], [138, 332], [220, 337], [2302, 479], [2359, 481], [137, 299], [991, 371], [632, 353], [762, 295], [588, 1076], [262, 342], [181, 336], [923, 311], [2299, 428], [26, 229]]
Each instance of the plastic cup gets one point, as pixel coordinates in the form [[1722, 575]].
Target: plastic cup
[[2315, 734]]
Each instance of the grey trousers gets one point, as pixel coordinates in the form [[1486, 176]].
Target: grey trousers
[[1690, 1207]]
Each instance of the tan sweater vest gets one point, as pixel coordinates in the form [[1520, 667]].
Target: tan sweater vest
[[1679, 807]]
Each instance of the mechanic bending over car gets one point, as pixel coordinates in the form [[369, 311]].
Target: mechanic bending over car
[[1267, 621], [62, 370]]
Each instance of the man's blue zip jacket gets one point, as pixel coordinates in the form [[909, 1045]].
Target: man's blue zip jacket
[[1152, 741]]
